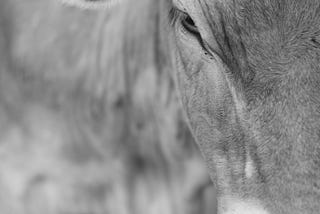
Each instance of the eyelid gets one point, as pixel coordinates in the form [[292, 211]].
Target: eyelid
[[178, 6], [179, 9], [211, 47], [175, 15]]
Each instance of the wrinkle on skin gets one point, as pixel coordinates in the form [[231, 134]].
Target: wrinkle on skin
[[268, 67]]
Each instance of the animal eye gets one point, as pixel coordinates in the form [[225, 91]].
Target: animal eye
[[189, 24], [180, 17]]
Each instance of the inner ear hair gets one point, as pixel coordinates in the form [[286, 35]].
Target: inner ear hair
[[91, 4]]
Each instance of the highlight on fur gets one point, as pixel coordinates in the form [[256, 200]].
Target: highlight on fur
[[92, 4]]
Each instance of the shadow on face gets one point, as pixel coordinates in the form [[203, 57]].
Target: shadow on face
[[248, 76]]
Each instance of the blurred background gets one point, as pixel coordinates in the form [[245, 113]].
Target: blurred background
[[90, 121]]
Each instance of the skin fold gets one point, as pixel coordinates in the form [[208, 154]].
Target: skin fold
[[250, 89], [246, 74]]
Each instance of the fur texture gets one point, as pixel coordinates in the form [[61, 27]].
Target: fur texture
[[252, 93], [90, 122]]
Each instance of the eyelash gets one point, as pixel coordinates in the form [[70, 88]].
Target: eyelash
[[176, 15]]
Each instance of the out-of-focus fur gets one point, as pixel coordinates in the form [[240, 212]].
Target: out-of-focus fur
[[89, 119]]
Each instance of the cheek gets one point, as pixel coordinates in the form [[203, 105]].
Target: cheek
[[204, 93]]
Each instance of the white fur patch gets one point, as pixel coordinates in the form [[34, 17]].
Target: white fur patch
[[88, 5], [249, 169], [237, 206]]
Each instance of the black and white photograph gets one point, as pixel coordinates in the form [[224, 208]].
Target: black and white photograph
[[159, 106]]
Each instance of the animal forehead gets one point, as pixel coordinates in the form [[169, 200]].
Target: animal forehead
[[280, 10]]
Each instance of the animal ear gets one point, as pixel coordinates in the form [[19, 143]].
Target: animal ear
[[92, 4]]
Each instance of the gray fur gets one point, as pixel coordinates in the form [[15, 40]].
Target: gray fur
[[89, 121], [259, 97]]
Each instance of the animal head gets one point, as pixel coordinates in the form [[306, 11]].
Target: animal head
[[249, 79], [248, 76]]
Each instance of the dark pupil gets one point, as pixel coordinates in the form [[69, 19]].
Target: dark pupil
[[189, 21], [189, 25]]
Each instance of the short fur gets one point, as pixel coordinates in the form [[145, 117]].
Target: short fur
[[257, 97]]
